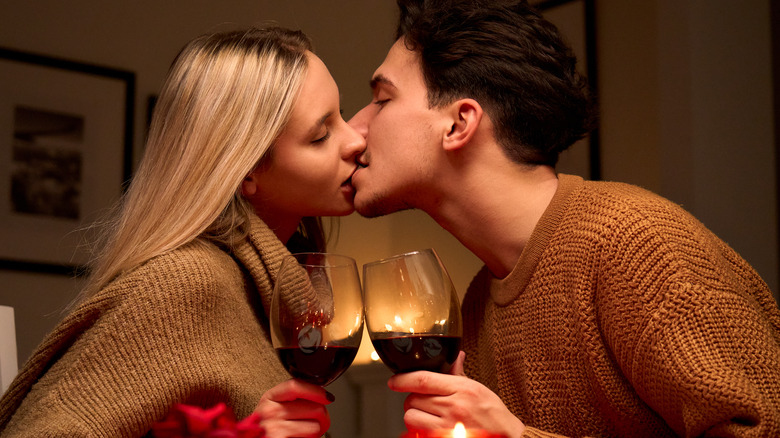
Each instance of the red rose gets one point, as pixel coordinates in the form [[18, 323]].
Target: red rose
[[186, 421]]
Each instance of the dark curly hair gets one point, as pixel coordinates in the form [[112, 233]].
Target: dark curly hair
[[506, 56]]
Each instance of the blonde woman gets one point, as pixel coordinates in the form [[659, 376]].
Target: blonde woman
[[246, 142]]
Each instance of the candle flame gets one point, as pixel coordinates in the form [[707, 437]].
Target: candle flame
[[459, 431]]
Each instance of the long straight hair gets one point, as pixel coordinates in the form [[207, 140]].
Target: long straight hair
[[226, 99]]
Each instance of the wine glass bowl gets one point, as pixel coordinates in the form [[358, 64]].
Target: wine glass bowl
[[316, 315], [412, 312]]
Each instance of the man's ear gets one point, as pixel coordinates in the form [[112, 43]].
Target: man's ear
[[466, 118]]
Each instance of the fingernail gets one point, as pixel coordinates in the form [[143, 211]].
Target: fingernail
[[330, 396]]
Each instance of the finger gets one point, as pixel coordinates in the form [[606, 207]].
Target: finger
[[294, 389], [412, 401], [283, 429], [270, 410], [415, 419], [293, 410], [438, 406], [457, 367], [425, 382], [286, 416]]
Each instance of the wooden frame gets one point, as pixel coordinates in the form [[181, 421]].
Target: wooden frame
[[66, 141]]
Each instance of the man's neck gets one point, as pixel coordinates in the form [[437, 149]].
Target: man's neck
[[494, 210]]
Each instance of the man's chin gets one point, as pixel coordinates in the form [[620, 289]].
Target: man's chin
[[368, 211], [375, 206]]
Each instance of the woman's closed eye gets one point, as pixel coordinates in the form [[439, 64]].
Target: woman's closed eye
[[323, 138]]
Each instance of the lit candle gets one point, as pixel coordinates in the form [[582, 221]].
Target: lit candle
[[459, 431]]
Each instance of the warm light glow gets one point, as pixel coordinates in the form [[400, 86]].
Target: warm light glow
[[374, 356], [459, 431]]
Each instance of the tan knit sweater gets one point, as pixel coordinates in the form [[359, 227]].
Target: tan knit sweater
[[187, 326], [626, 317]]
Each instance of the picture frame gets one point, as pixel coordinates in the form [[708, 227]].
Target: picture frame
[[576, 20], [66, 142]]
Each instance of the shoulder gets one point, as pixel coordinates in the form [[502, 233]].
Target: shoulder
[[654, 244], [628, 198], [602, 209], [195, 258], [621, 212], [641, 236], [187, 274], [189, 293]]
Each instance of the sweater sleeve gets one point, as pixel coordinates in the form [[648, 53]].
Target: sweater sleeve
[[180, 329], [692, 328]]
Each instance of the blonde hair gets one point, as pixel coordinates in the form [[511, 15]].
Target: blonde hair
[[226, 99]]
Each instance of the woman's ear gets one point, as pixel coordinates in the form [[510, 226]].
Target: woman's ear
[[466, 118], [249, 185]]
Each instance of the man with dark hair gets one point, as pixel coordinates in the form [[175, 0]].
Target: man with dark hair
[[602, 309]]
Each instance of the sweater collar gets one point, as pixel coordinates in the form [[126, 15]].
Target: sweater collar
[[503, 291], [261, 254]]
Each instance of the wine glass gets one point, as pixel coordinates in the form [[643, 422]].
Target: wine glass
[[412, 312], [317, 315]]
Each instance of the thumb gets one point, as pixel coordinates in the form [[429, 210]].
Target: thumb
[[457, 367]]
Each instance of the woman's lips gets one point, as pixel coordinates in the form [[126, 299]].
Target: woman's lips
[[347, 185]]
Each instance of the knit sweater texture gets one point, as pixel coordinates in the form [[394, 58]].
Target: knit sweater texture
[[189, 326], [625, 316]]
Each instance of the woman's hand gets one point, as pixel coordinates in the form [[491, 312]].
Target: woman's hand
[[438, 401], [295, 409]]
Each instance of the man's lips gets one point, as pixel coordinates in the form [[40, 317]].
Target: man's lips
[[362, 159], [348, 181]]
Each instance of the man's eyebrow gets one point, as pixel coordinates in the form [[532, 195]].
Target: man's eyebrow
[[381, 80]]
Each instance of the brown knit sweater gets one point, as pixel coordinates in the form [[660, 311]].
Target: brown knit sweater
[[626, 317], [187, 326]]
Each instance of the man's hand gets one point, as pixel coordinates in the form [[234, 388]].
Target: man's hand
[[439, 401], [295, 408]]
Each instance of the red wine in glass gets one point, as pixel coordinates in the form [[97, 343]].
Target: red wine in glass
[[403, 354], [318, 365], [412, 312], [317, 315]]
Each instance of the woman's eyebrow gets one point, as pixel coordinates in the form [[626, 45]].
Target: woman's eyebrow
[[318, 124]]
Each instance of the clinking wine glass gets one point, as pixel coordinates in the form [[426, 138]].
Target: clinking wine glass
[[317, 315], [412, 312]]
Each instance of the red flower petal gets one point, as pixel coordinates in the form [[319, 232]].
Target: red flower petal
[[187, 421]]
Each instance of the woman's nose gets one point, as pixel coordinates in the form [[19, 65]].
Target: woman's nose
[[355, 144], [359, 122]]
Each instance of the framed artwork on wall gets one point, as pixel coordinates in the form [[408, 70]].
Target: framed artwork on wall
[[576, 20], [66, 136]]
